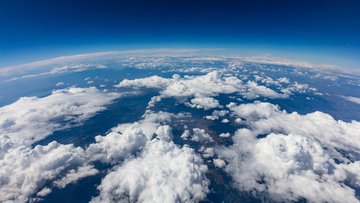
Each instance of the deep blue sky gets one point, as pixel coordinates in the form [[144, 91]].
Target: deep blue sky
[[317, 29]]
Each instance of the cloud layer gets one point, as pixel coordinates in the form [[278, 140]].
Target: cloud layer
[[31, 119], [163, 172], [200, 89], [291, 156]]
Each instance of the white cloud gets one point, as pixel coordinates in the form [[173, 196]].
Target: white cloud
[[61, 69], [217, 114], [253, 111], [254, 91], [23, 171], [31, 119], [160, 170], [163, 172], [224, 135], [126, 139], [266, 59], [204, 103], [77, 68], [207, 152], [201, 88], [265, 118], [294, 157], [45, 191], [225, 120], [149, 82], [219, 163], [75, 174], [355, 100], [104, 56], [58, 84], [185, 135], [284, 80], [199, 135]]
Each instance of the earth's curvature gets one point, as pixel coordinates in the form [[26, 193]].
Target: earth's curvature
[[178, 126]]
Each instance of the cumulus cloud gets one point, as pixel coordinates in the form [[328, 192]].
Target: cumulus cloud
[[265, 118], [45, 191], [207, 152], [284, 85], [219, 163], [163, 172], [23, 170], [126, 139], [31, 119], [289, 156], [149, 167], [199, 135], [254, 91], [216, 114], [204, 103], [201, 88], [75, 174], [224, 135]]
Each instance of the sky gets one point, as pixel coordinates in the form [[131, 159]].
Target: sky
[[322, 31]]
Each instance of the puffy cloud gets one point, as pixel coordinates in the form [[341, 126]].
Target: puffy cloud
[[199, 135], [75, 174], [116, 146], [31, 119], [254, 91], [225, 120], [204, 102], [291, 156], [265, 118], [284, 80], [164, 133], [201, 87], [126, 139], [290, 88], [253, 111], [185, 135], [217, 114], [149, 82], [224, 135], [299, 88], [163, 172], [45, 191], [23, 170], [219, 163], [159, 172], [207, 152]]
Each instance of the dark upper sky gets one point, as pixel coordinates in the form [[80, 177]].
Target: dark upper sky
[[36, 29]]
